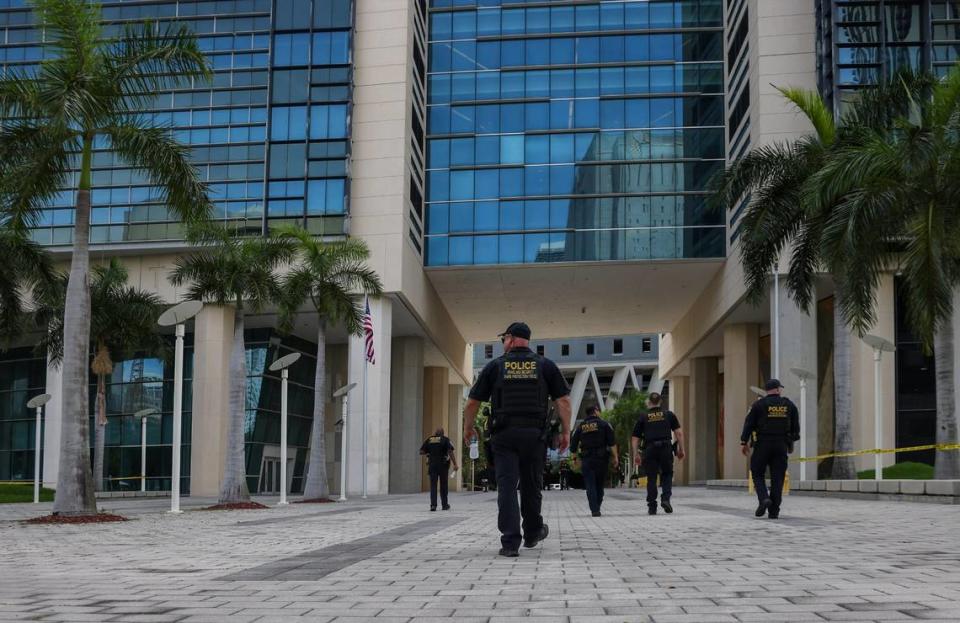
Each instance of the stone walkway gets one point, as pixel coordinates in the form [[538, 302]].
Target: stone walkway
[[388, 559]]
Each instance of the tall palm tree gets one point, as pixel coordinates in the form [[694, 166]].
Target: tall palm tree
[[896, 197], [123, 322], [328, 276], [239, 272], [25, 267], [777, 218], [90, 91]]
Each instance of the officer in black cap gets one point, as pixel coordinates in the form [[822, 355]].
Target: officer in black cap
[[653, 450], [440, 454], [519, 385], [773, 424], [594, 438]]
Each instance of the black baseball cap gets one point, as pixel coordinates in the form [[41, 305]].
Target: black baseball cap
[[517, 329], [772, 384]]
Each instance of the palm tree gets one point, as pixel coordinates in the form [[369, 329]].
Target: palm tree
[[123, 322], [328, 276], [777, 217], [239, 272], [90, 91], [896, 198], [25, 267]]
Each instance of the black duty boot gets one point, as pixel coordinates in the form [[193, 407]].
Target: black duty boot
[[433, 508], [763, 507], [595, 513], [651, 509], [508, 553], [532, 541], [666, 506]]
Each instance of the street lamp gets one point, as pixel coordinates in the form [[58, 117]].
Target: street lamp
[[143, 414], [879, 346], [283, 365], [37, 403], [177, 316], [343, 391], [759, 391], [804, 376]]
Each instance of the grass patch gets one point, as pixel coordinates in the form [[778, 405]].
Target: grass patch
[[11, 493], [901, 471]]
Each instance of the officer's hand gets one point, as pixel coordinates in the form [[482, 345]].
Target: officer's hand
[[790, 447], [745, 449], [563, 443], [680, 454], [469, 436], [637, 460], [616, 465]]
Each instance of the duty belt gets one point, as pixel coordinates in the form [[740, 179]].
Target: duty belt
[[593, 452], [658, 443], [514, 421]]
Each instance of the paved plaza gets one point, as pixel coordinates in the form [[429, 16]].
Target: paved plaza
[[389, 559]]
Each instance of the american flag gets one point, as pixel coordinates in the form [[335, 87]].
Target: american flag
[[368, 333]]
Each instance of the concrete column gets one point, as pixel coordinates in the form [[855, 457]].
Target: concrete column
[[406, 414], [375, 391], [455, 431], [864, 418], [704, 415], [213, 341], [51, 427], [436, 405], [741, 369], [797, 349], [679, 398]]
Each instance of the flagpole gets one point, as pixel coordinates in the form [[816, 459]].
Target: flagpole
[[366, 363]]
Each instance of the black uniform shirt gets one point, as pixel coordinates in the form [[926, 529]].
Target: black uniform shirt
[[759, 411], [587, 430], [437, 449], [639, 427], [483, 388]]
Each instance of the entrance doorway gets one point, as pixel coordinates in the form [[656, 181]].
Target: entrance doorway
[[270, 476]]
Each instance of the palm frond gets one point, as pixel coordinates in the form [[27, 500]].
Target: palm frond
[[815, 109]]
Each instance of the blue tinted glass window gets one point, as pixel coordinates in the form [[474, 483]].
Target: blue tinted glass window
[[538, 84], [488, 22], [538, 20], [512, 85], [537, 116], [438, 218], [513, 22], [461, 185], [612, 49], [487, 149], [488, 55], [611, 15], [488, 118], [486, 85], [511, 117], [511, 53], [536, 181], [511, 182], [587, 113], [511, 215], [512, 149], [461, 250], [562, 83], [537, 52], [464, 56], [511, 249], [437, 251], [561, 148], [462, 119], [537, 149], [461, 151], [485, 250], [588, 17], [464, 24], [438, 153], [588, 50], [562, 51], [636, 15], [439, 119], [611, 114], [536, 215], [489, 184], [438, 186], [562, 19], [486, 216], [288, 123], [461, 217]]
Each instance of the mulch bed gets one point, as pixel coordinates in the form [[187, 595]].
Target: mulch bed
[[236, 506], [75, 519], [316, 501]]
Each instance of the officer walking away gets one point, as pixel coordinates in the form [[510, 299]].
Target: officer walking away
[[774, 424], [440, 454], [594, 438], [652, 435], [519, 385]]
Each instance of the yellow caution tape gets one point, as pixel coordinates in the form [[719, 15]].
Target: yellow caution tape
[[751, 488], [932, 446]]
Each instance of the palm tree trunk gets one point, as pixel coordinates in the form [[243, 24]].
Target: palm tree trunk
[[317, 486], [74, 493], [234, 488], [843, 467], [98, 476], [947, 464]]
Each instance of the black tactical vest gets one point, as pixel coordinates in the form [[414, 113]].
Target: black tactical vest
[[437, 449], [657, 426], [592, 434], [520, 390], [774, 424]]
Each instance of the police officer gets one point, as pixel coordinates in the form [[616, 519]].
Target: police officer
[[519, 385], [774, 424], [593, 437], [652, 436], [440, 454]]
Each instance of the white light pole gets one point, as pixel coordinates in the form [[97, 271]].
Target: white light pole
[[143, 414], [879, 345], [177, 316], [804, 376], [283, 364], [37, 403], [343, 391], [759, 391], [776, 321]]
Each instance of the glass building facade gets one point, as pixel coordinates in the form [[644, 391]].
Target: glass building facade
[[269, 133], [862, 42], [23, 375], [573, 131]]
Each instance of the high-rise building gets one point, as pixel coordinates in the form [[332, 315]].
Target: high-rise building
[[504, 160]]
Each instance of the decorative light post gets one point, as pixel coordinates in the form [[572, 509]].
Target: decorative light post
[[343, 391], [177, 316], [143, 414], [37, 403], [879, 345], [283, 364], [804, 376]]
